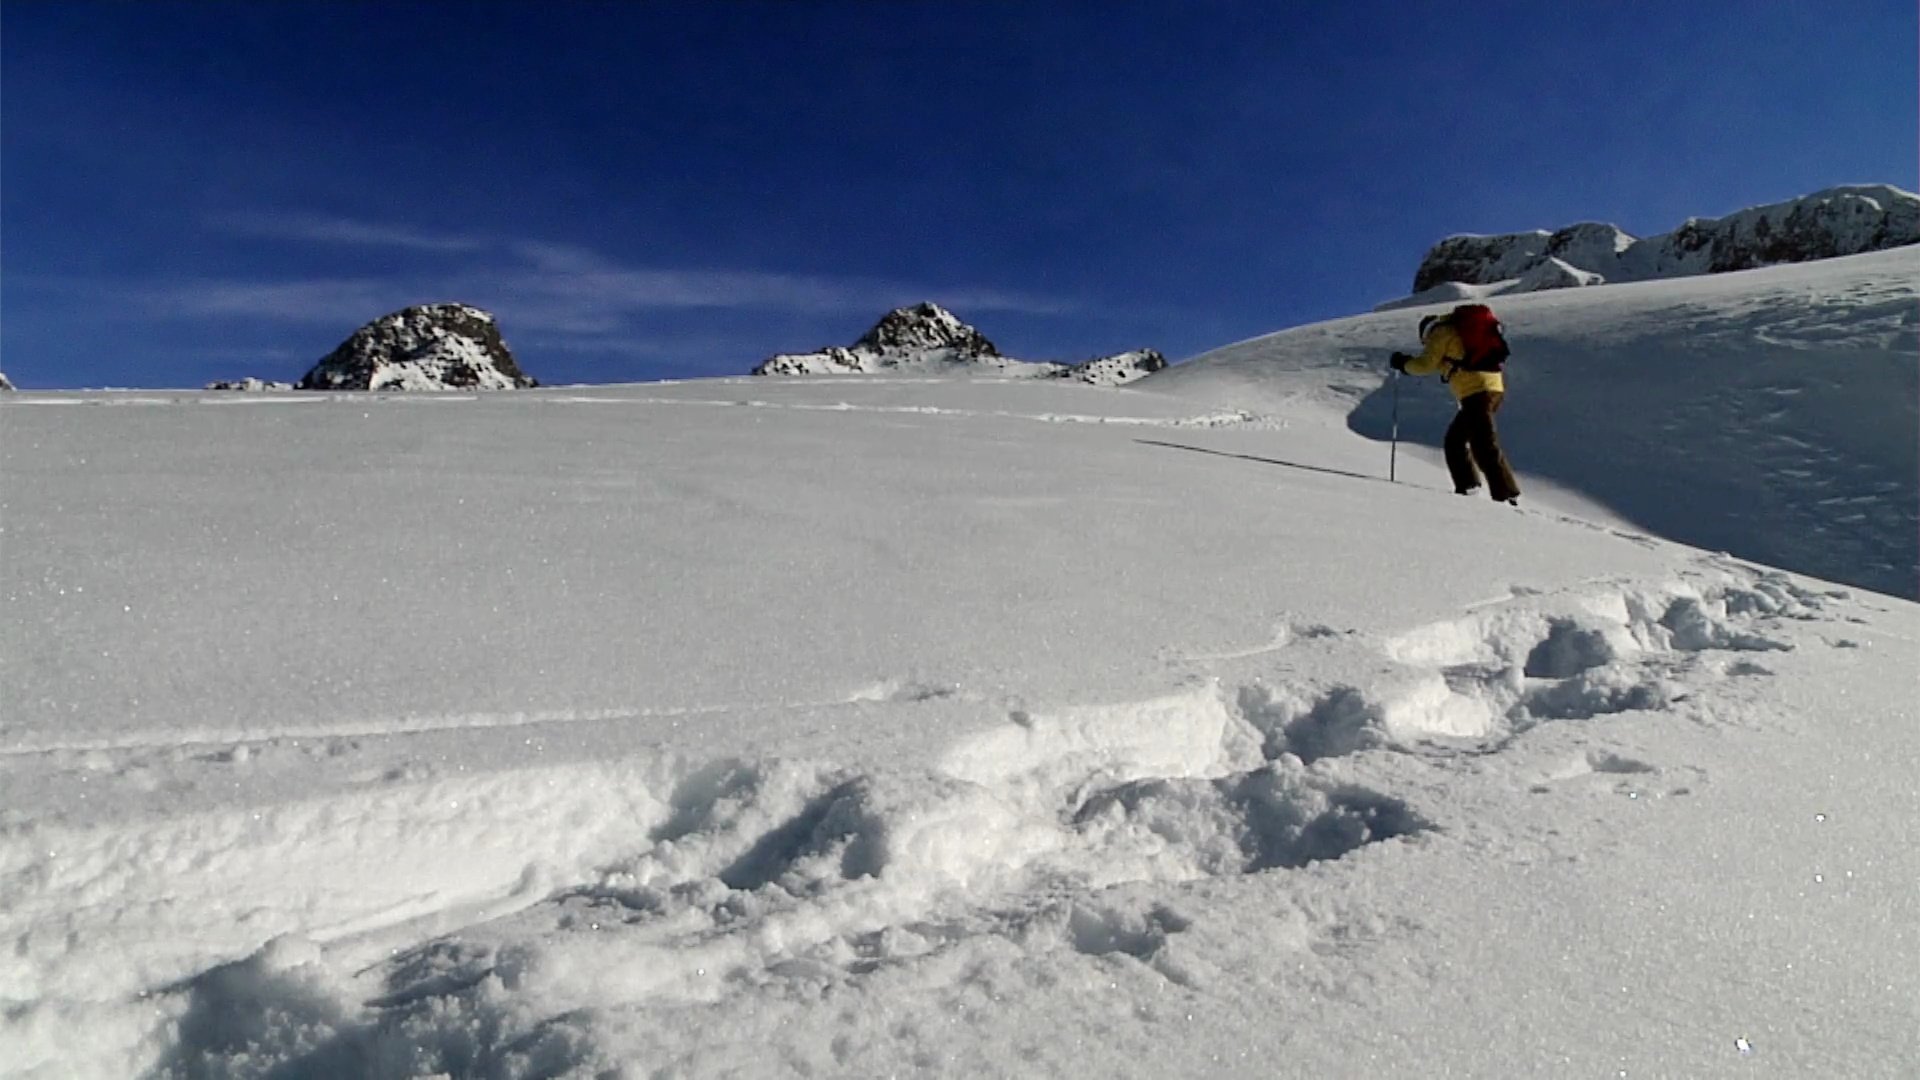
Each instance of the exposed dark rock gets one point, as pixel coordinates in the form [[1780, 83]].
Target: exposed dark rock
[[430, 347], [249, 384], [1479, 260], [1827, 224], [918, 336], [1115, 370], [928, 337], [925, 328]]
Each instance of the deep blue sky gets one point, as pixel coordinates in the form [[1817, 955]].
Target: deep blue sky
[[203, 190]]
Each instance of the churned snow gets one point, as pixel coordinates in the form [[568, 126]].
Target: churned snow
[[973, 726]]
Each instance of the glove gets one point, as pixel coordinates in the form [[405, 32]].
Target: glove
[[1398, 361]]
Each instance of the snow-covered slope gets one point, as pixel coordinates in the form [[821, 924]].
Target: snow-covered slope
[[1768, 413], [430, 347], [897, 726], [1551, 273], [1827, 224]]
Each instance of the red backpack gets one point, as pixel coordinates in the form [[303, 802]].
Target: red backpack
[[1480, 335]]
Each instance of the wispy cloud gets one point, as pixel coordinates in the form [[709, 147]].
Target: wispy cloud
[[322, 300], [566, 298], [566, 286], [326, 230]]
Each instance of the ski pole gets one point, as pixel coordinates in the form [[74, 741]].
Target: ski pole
[[1393, 455]]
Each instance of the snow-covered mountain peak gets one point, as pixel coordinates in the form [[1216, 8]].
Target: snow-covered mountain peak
[[927, 337], [1590, 243], [1827, 224], [427, 347], [923, 328], [1848, 220], [923, 335], [1474, 260]]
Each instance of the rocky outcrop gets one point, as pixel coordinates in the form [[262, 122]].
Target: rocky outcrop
[[1480, 260], [929, 338], [1115, 370], [1840, 221], [430, 347], [832, 360], [248, 384], [923, 329], [1827, 224], [919, 336], [1590, 245]]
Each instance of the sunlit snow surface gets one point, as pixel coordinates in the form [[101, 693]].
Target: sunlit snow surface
[[1773, 414], [863, 727]]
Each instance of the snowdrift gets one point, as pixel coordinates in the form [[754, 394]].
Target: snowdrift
[[1773, 414]]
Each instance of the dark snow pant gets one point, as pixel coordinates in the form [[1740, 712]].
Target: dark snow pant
[[1471, 440]]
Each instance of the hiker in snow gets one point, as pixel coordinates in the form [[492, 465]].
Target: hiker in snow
[[1465, 346]]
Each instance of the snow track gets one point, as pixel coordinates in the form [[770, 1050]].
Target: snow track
[[532, 897], [1230, 418]]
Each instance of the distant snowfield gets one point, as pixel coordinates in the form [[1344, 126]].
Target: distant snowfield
[[870, 726]]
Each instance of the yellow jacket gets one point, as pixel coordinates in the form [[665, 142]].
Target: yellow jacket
[[1444, 350]]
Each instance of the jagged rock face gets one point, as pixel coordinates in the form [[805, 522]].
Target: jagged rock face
[[1115, 370], [1824, 225], [431, 347], [918, 336], [1840, 221], [925, 328], [928, 337], [1480, 260], [1590, 245], [248, 384]]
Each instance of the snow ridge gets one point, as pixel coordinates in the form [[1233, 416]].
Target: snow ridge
[[1827, 224]]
